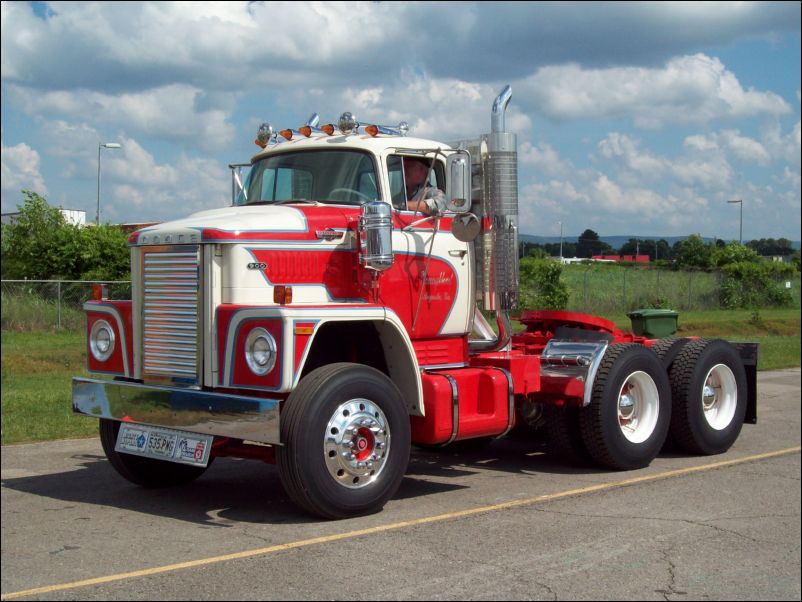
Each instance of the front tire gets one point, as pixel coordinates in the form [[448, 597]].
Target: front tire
[[145, 472], [346, 441], [627, 420]]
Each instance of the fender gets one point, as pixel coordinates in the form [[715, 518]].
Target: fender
[[402, 365], [300, 333]]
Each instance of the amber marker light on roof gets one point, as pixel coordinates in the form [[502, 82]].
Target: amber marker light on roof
[[305, 130], [286, 134], [328, 128], [372, 130]]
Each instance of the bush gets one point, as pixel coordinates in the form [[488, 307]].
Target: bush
[[750, 285], [733, 253], [541, 287]]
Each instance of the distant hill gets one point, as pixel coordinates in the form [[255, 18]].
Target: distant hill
[[617, 241]]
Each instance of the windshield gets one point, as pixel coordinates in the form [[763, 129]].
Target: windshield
[[337, 177]]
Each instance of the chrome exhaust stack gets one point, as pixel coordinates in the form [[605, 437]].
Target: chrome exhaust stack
[[499, 256]]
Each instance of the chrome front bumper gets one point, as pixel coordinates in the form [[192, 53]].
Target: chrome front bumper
[[222, 415]]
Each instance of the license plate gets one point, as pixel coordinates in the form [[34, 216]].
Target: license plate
[[164, 444]]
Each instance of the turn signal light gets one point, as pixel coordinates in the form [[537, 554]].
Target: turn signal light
[[100, 292], [282, 294]]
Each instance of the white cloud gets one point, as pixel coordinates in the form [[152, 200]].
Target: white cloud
[[626, 148], [784, 147], [142, 189], [20, 170], [170, 113], [689, 89], [545, 159], [446, 109]]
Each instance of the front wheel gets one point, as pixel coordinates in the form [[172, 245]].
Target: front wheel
[[345, 441], [146, 472], [627, 420]]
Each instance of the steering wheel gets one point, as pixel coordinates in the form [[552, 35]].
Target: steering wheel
[[351, 191]]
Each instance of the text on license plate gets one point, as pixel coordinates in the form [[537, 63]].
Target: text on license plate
[[164, 444]]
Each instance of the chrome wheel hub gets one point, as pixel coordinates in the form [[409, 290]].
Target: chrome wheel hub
[[356, 443], [719, 396], [638, 407]]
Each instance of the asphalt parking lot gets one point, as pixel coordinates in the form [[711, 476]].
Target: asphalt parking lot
[[508, 522]]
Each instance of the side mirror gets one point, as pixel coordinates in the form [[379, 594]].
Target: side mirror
[[238, 184], [458, 182]]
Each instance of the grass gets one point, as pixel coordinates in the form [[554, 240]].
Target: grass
[[32, 312], [777, 331], [37, 367]]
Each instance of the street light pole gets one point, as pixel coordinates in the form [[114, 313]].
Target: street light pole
[[561, 241], [741, 229], [99, 147]]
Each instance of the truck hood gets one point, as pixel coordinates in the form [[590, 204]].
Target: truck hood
[[249, 223]]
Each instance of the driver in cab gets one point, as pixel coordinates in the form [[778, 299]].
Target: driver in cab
[[418, 196]]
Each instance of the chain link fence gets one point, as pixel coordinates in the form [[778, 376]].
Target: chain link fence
[[606, 289], [32, 305], [35, 305]]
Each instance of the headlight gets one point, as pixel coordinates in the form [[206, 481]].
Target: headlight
[[101, 340], [260, 351]]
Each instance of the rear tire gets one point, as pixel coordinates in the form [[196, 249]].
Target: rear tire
[[565, 435], [627, 420], [667, 349], [145, 472], [709, 389], [346, 441]]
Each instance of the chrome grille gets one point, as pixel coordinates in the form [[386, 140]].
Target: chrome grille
[[170, 313]]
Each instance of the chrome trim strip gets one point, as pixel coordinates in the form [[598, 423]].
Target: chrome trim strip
[[222, 415], [571, 359], [511, 415], [454, 406]]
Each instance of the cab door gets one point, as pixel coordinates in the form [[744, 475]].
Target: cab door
[[429, 285]]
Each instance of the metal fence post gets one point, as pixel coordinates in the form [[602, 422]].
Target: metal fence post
[[58, 304], [690, 282], [585, 288]]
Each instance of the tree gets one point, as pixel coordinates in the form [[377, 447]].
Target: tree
[[770, 246], [41, 245], [28, 243], [633, 246], [588, 244], [692, 252]]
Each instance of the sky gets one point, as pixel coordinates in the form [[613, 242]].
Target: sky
[[632, 118]]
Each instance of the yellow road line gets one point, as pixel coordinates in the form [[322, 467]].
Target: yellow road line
[[395, 526]]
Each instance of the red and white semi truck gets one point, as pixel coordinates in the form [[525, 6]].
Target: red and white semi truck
[[320, 324]]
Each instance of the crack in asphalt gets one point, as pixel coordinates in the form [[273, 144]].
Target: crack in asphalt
[[697, 523]]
